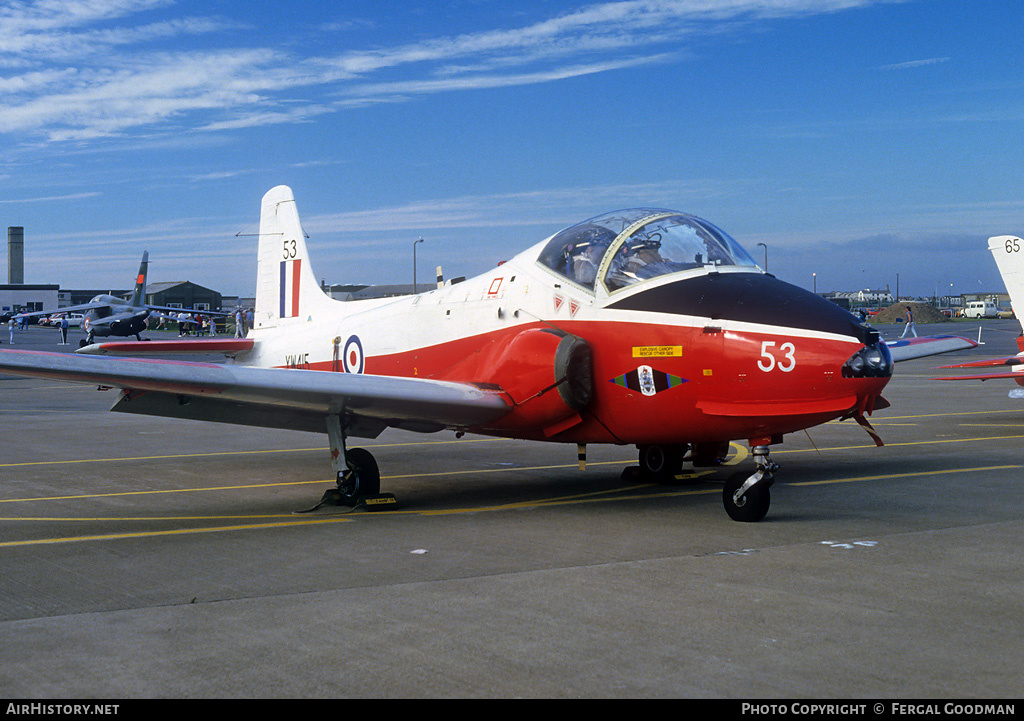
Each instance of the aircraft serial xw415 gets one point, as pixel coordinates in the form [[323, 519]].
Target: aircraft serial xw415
[[643, 327]]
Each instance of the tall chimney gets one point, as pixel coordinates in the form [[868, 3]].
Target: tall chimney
[[15, 255]]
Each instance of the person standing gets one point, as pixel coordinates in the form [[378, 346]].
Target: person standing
[[64, 330], [10, 324]]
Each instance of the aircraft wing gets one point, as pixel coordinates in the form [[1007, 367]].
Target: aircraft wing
[[294, 399], [69, 309], [984, 376], [1014, 362], [911, 348], [213, 346]]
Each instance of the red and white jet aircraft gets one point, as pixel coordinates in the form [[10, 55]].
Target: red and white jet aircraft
[[643, 327], [1008, 250]]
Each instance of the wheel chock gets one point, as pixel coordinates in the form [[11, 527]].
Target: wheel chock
[[379, 502], [334, 497]]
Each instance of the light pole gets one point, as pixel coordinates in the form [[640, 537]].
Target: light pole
[[765, 256], [414, 244], [815, 275]]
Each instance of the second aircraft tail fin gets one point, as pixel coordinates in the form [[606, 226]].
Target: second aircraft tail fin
[[139, 294], [1008, 250]]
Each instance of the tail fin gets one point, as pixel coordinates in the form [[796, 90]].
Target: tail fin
[[286, 289], [1008, 250], [139, 294]]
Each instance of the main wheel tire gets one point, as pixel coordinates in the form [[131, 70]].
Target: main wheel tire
[[661, 463], [363, 479], [752, 505]]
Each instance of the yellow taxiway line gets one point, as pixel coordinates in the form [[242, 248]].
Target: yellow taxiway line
[[171, 532], [214, 454], [609, 495], [605, 496]]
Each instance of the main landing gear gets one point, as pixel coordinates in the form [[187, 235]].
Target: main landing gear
[[357, 474], [360, 478], [662, 463]]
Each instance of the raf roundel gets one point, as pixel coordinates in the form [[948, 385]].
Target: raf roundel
[[352, 356]]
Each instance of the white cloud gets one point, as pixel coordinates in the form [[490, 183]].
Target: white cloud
[[480, 81], [914, 64], [49, 199], [540, 207], [101, 68]]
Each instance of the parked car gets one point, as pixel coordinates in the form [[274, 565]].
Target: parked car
[[53, 321]]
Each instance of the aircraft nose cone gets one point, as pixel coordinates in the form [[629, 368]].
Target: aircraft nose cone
[[871, 361]]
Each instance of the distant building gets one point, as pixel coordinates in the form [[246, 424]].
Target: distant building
[[1001, 299], [348, 292], [875, 296], [862, 297], [19, 298], [234, 302], [183, 294], [995, 297]]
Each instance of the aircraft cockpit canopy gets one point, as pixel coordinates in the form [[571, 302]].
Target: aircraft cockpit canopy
[[631, 246]]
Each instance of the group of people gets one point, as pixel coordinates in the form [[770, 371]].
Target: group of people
[[188, 323], [243, 322], [20, 323], [202, 325], [199, 324]]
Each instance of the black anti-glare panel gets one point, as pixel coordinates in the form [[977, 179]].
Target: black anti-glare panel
[[752, 298]]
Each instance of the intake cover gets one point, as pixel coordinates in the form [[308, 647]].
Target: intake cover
[[573, 362]]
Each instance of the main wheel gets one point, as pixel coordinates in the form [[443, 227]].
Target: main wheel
[[661, 462], [363, 478], [752, 506]]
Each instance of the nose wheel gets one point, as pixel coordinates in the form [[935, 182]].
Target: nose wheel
[[747, 497]]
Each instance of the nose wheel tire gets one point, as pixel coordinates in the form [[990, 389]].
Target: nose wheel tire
[[750, 506]]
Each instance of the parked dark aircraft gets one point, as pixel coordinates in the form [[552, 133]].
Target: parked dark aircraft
[[107, 315]]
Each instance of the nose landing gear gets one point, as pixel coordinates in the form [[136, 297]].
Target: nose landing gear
[[747, 498]]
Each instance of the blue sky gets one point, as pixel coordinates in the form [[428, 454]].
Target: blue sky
[[859, 140]]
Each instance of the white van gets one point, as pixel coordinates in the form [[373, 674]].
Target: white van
[[981, 309]]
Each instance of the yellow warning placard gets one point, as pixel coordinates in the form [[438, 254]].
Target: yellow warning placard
[[657, 351]]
